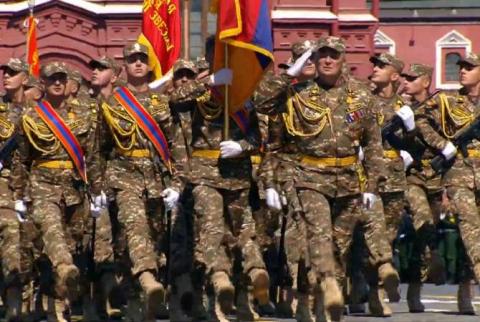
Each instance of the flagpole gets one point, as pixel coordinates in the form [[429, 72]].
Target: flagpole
[[31, 5], [226, 114]]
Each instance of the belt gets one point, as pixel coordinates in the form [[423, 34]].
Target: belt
[[215, 154], [136, 153], [207, 154], [54, 164], [329, 162], [391, 154], [473, 153]]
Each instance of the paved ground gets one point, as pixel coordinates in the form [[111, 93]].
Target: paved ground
[[440, 303]]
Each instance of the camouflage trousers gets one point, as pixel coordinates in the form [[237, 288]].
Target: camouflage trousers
[[348, 214], [104, 256], [425, 208], [465, 203], [221, 236], [10, 245], [393, 206], [135, 225]]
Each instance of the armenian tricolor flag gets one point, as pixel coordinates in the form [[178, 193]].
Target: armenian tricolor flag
[[32, 49], [245, 26], [161, 34]]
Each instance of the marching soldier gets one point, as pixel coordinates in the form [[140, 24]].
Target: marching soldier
[[439, 121], [53, 138], [219, 171], [325, 122], [386, 78], [424, 195], [15, 75], [136, 136], [33, 89]]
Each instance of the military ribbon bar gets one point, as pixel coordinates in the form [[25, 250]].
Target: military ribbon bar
[[146, 122], [68, 140]]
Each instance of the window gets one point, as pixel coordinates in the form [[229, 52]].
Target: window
[[451, 68]]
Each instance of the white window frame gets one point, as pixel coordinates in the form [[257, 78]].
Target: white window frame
[[451, 40], [381, 40]]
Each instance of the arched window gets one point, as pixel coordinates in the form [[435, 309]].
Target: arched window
[[451, 67]]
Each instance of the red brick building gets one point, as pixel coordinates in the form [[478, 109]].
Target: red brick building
[[76, 31]]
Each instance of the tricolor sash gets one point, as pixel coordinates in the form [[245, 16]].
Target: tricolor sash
[[68, 140], [145, 121]]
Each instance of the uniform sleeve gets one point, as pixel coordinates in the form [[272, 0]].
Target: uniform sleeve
[[20, 165], [271, 94], [371, 143], [96, 162], [179, 151], [426, 123]]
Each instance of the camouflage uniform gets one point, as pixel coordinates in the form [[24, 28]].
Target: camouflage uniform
[[217, 184], [323, 129], [392, 191], [461, 179], [56, 189], [424, 195]]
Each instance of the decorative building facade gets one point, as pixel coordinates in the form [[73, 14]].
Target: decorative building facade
[[76, 31]]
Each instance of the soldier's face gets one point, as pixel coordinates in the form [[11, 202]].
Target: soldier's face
[[137, 65], [33, 94], [13, 80], [102, 76], [329, 62], [183, 76], [72, 87], [469, 75], [56, 84], [383, 73], [308, 71], [413, 85]]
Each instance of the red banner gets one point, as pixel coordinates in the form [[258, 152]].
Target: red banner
[[161, 33], [32, 49]]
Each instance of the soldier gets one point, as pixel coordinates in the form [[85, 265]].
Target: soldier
[[105, 72], [139, 167], [325, 132], [33, 89], [15, 76], [219, 171], [52, 139], [424, 195], [386, 78], [439, 120]]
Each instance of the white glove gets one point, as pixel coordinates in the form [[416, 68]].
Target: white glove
[[295, 70], [408, 119], [449, 151], [100, 201], [368, 199], [21, 210], [273, 199], [221, 77], [157, 84], [1, 166], [170, 198], [361, 155], [407, 159], [230, 149], [95, 211]]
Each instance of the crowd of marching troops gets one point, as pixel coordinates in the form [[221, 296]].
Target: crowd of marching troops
[[120, 198]]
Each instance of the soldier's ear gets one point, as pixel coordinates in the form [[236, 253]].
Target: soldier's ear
[[25, 79], [395, 77], [114, 78]]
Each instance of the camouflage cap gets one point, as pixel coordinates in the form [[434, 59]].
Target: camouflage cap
[[332, 42], [297, 50], [417, 70], [74, 75], [106, 62], [202, 63], [184, 64], [53, 68], [389, 59], [16, 64], [33, 82], [471, 59], [135, 48]]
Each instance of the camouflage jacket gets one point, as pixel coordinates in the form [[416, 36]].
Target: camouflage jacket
[[396, 178], [10, 114], [120, 137], [321, 122], [438, 123], [200, 117], [37, 144]]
